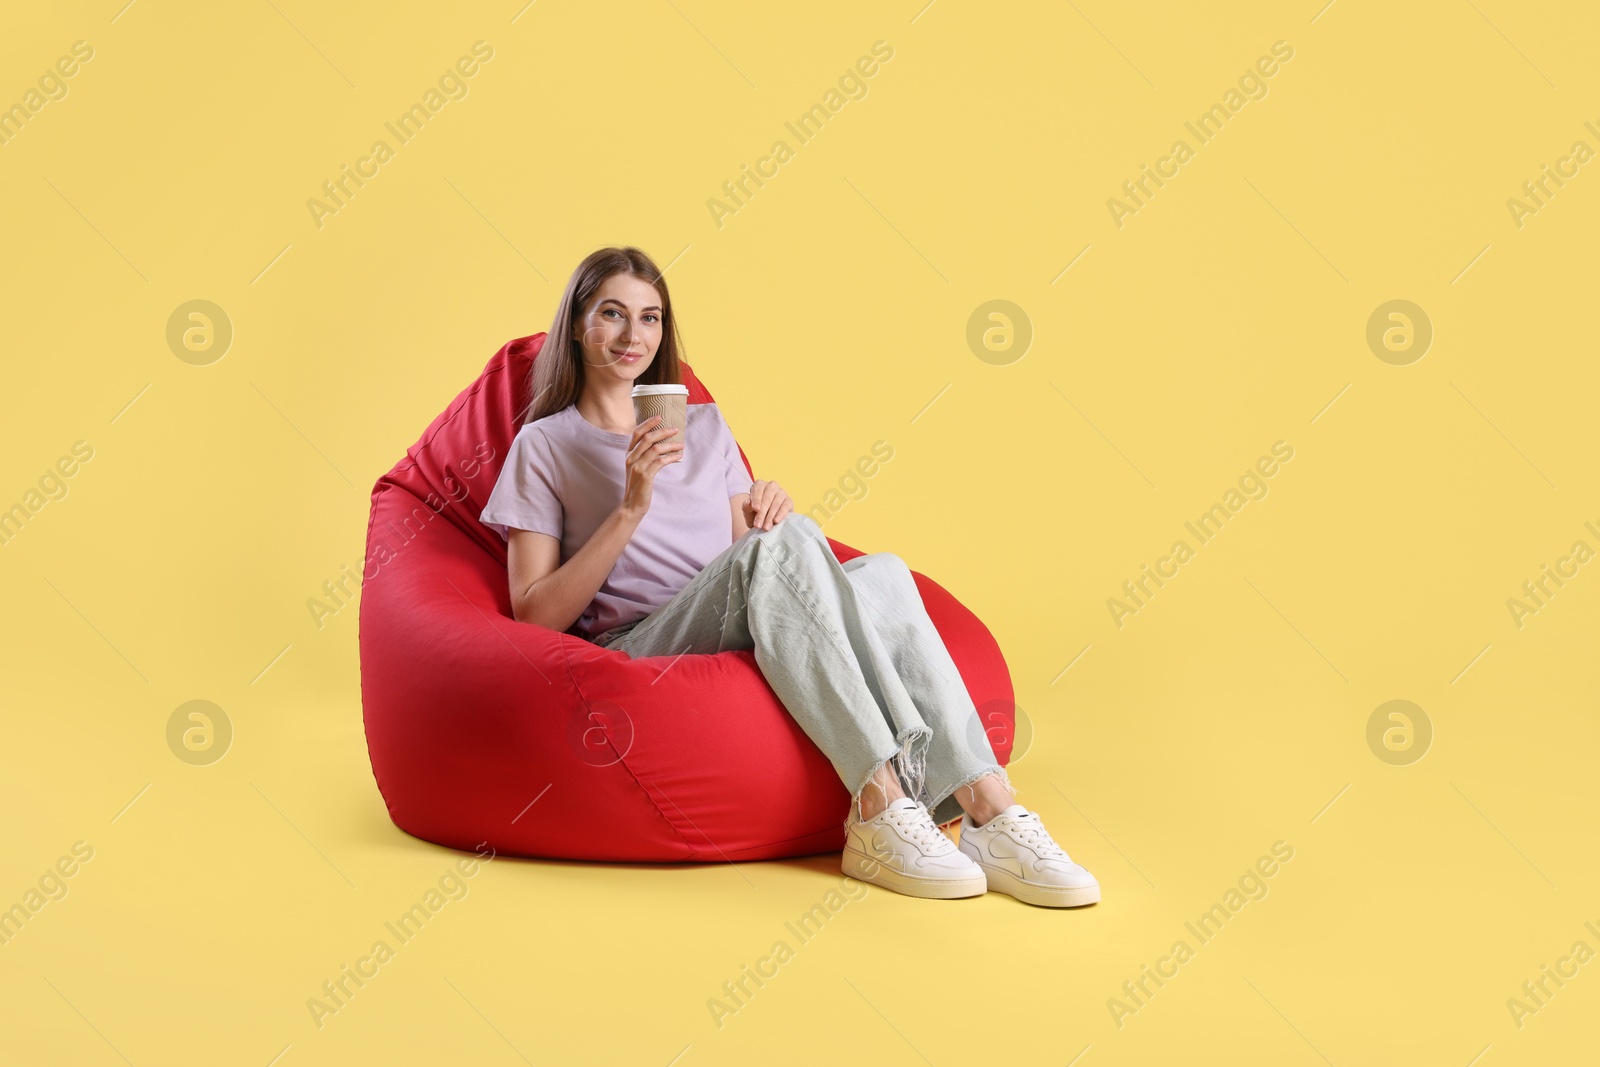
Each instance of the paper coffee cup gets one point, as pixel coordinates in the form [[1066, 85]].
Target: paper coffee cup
[[671, 402]]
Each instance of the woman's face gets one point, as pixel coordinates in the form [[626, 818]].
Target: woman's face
[[621, 329]]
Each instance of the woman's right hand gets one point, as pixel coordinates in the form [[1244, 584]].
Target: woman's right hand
[[650, 449]]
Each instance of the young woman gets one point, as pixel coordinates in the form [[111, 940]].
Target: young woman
[[655, 544]]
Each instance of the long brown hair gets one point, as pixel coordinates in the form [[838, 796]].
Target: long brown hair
[[556, 380]]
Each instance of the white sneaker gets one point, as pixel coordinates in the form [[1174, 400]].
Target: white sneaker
[[901, 848], [1020, 858]]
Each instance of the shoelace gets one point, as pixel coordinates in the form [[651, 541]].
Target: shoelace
[[1033, 834], [917, 825]]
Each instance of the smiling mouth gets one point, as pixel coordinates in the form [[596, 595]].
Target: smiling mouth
[[628, 355]]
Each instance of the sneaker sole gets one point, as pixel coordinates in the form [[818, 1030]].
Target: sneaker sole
[[1046, 896], [864, 868]]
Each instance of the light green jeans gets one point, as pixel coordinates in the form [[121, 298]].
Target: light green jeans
[[848, 648]]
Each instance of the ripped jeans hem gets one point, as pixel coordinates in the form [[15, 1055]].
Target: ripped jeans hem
[[908, 763]]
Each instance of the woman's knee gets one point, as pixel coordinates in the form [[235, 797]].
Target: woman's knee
[[892, 567], [887, 582], [893, 562], [798, 524], [795, 538]]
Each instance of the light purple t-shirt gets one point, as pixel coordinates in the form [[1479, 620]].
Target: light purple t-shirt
[[563, 475]]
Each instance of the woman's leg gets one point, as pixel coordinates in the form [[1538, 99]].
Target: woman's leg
[[1016, 853], [782, 593], [962, 773], [881, 790], [982, 799], [985, 798]]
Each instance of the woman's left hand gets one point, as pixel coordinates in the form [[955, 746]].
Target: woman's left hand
[[766, 505]]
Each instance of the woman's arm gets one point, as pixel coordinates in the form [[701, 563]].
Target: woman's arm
[[549, 593]]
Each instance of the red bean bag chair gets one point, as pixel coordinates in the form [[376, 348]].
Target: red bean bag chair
[[482, 729]]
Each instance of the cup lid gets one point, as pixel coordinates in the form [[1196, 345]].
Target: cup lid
[[660, 390]]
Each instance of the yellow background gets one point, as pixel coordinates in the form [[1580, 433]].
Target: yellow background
[[830, 312]]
